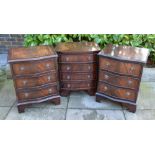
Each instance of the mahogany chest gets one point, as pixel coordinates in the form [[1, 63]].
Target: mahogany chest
[[77, 66], [120, 71], [34, 72]]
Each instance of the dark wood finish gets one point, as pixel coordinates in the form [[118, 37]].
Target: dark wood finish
[[24, 68], [34, 71], [120, 71], [118, 80], [124, 68], [77, 67], [26, 82]]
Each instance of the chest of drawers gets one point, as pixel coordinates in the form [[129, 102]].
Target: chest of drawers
[[77, 67], [34, 72], [120, 71]]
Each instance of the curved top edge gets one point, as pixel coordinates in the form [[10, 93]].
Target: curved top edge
[[128, 53], [77, 47], [28, 53]]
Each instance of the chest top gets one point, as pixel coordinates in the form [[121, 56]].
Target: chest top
[[31, 53], [128, 53], [76, 47]]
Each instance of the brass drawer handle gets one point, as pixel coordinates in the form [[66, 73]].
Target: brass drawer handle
[[107, 64], [26, 95], [130, 82], [67, 58], [25, 82], [88, 84], [89, 57], [88, 76], [89, 67], [49, 90], [106, 77], [68, 85], [132, 69], [105, 88], [68, 77], [22, 68], [47, 65], [49, 78], [128, 93], [68, 67]]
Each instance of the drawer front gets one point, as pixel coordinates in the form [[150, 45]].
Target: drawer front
[[77, 58], [77, 76], [116, 80], [38, 93], [26, 68], [120, 67], [36, 81], [78, 67], [78, 85], [120, 93]]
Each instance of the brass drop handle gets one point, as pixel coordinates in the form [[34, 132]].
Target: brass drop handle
[[26, 95], [130, 82], [128, 93], [49, 78], [88, 76], [132, 68], [49, 90], [68, 77], [22, 68], [107, 64], [105, 88], [88, 84], [25, 82], [68, 85], [106, 77], [89, 57], [67, 58], [89, 67], [47, 65], [68, 67]]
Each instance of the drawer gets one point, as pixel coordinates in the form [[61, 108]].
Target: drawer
[[78, 67], [77, 76], [121, 93], [26, 82], [77, 58], [26, 68], [38, 93], [116, 66], [116, 80], [82, 85]]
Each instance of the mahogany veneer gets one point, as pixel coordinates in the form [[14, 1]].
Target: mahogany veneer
[[120, 71], [77, 67], [34, 71]]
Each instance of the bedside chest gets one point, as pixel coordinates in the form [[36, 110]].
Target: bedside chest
[[120, 71], [77, 66], [34, 72]]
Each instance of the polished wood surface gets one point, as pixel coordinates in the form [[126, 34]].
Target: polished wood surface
[[133, 54], [81, 47], [31, 53], [120, 71], [91, 67], [119, 80], [116, 66], [28, 82], [77, 67], [37, 93], [35, 74], [81, 58], [117, 92], [33, 67]]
